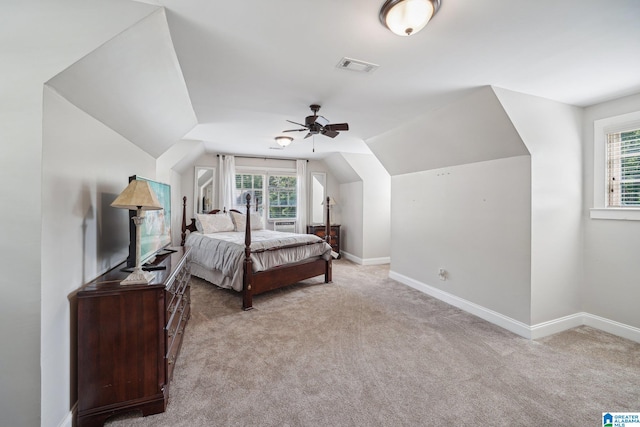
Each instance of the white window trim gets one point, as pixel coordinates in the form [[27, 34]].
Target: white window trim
[[601, 128], [266, 171]]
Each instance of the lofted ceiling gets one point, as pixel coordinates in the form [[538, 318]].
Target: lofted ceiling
[[249, 66]]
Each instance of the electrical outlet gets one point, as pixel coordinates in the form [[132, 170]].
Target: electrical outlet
[[442, 274]]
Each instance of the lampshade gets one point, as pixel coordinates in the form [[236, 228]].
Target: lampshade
[[137, 195], [332, 201], [407, 17], [283, 141]]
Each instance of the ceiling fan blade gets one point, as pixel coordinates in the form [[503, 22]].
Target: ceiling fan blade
[[296, 123], [337, 126], [309, 121], [294, 130], [307, 135], [330, 133]]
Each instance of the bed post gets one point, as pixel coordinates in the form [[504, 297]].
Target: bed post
[[184, 220], [247, 298], [327, 234]]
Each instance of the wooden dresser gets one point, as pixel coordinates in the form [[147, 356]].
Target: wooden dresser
[[320, 230], [129, 338]]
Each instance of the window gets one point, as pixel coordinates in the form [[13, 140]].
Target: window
[[616, 168], [252, 184], [281, 190], [282, 197], [623, 169]]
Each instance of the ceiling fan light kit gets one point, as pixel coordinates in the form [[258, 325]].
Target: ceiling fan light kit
[[283, 141], [407, 17]]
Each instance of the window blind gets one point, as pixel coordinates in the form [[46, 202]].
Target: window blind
[[623, 169]]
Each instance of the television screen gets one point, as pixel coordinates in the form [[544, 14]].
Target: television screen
[[155, 232]]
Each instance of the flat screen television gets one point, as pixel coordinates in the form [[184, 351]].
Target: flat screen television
[[155, 232]]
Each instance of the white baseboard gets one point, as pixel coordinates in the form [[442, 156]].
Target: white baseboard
[[530, 332], [366, 261], [67, 421], [494, 317], [554, 326], [377, 261], [611, 326], [351, 258]]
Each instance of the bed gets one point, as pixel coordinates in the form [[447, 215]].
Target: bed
[[253, 261]]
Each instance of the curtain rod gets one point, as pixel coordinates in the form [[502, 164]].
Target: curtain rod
[[261, 157]]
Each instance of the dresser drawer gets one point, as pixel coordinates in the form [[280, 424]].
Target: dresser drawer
[[175, 334]]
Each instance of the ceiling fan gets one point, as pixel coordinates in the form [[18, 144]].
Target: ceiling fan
[[316, 124]]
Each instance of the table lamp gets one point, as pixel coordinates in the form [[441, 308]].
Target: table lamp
[[332, 203], [140, 197]]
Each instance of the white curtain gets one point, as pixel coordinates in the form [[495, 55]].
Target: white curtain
[[301, 171], [227, 175]]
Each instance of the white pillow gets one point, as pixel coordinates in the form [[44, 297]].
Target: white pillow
[[256, 221], [240, 220], [214, 223]]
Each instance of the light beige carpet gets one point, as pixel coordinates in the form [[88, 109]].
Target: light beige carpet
[[368, 351]]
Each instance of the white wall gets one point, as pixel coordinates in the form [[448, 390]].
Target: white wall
[[374, 235], [39, 47], [472, 220], [552, 133], [352, 225], [85, 165], [611, 247], [20, 180]]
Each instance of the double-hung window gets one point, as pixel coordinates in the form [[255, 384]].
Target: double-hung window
[[272, 193], [252, 183], [283, 197], [617, 167], [623, 169]]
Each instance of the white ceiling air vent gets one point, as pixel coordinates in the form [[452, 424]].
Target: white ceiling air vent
[[357, 65]]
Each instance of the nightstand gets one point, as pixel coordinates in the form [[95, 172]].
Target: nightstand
[[320, 230]]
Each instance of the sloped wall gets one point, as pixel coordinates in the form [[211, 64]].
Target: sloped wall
[[473, 129], [133, 83]]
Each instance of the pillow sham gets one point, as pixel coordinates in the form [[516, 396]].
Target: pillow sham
[[214, 223], [240, 221]]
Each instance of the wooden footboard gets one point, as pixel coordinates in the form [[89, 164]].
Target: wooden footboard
[[255, 283]]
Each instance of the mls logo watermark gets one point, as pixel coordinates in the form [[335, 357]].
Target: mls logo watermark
[[620, 419]]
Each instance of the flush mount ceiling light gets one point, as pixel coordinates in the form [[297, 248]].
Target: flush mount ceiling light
[[283, 141], [407, 17]]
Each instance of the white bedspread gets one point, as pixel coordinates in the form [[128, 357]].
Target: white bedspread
[[224, 253]]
